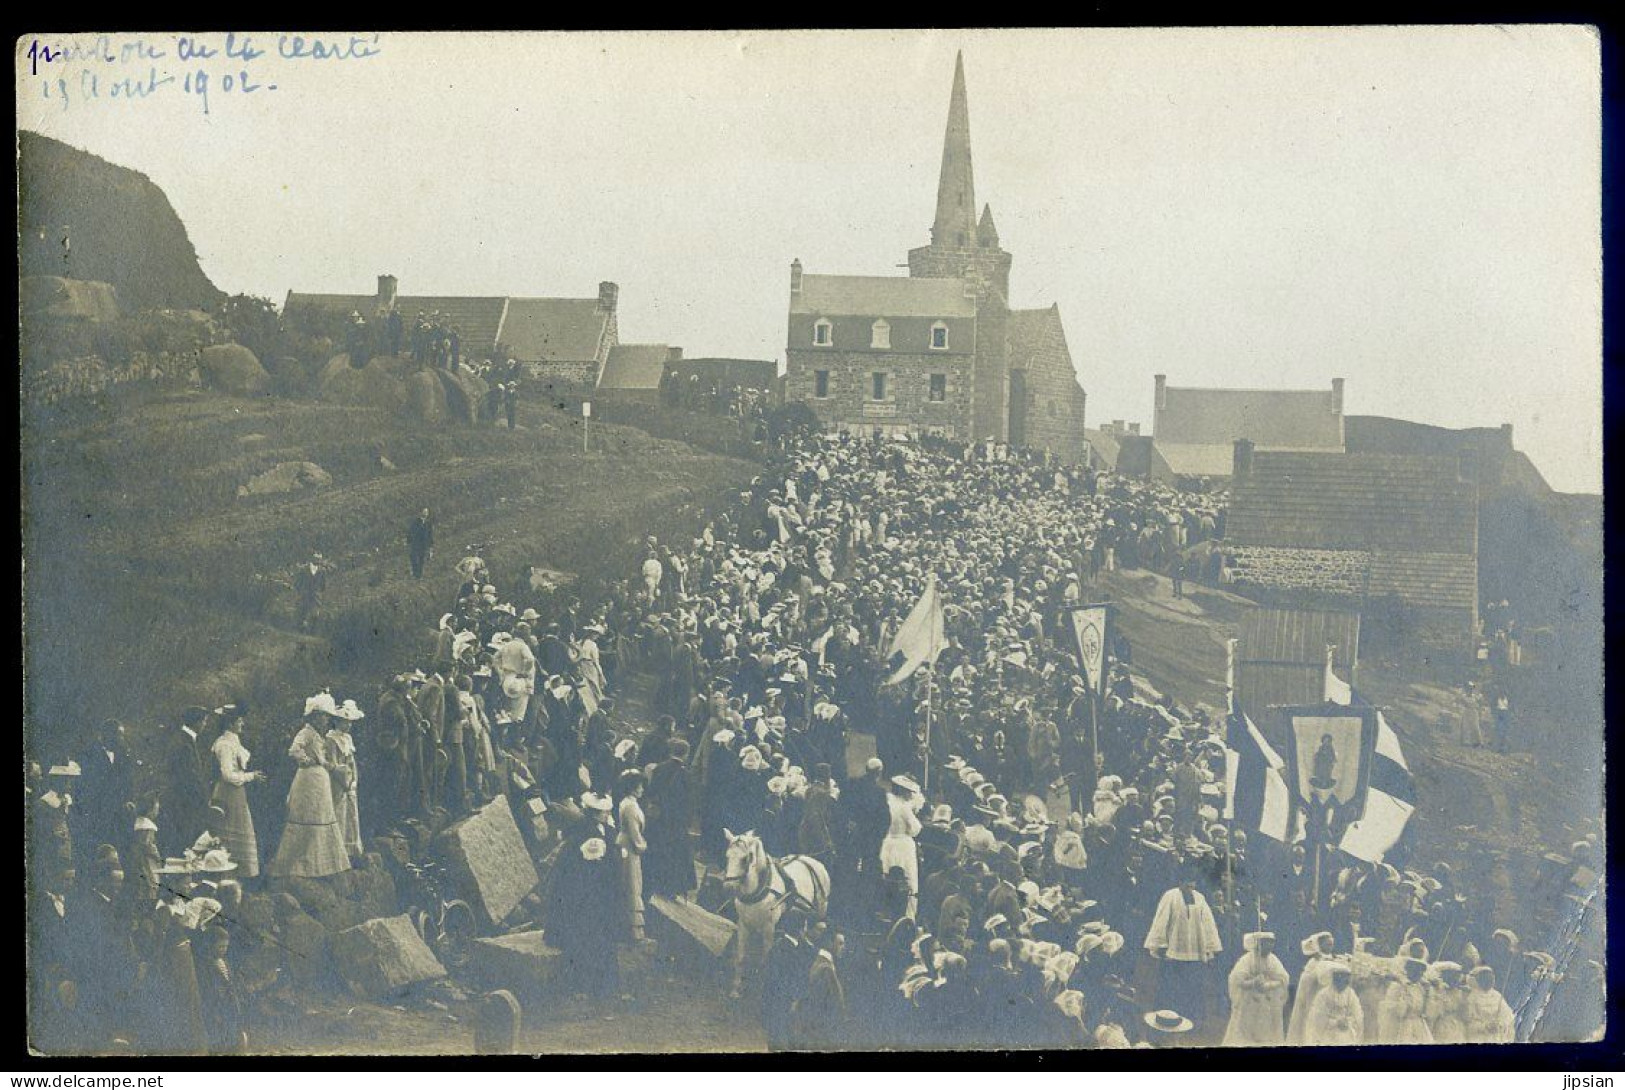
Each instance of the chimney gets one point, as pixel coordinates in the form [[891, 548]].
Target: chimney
[[1134, 428], [1506, 433], [608, 292], [795, 277], [1242, 466], [386, 292], [674, 355], [1162, 391], [1118, 427], [1337, 394]]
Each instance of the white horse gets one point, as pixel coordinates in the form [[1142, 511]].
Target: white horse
[[762, 888]]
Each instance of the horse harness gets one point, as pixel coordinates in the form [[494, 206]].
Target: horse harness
[[766, 890]]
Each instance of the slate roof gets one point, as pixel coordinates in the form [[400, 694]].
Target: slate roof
[[883, 296], [477, 319], [1384, 502], [1032, 333], [1196, 429], [535, 330], [634, 367], [554, 330]]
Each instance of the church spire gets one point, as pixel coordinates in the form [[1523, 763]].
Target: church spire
[[987, 234], [956, 193]]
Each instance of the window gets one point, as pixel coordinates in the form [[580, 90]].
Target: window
[[823, 332], [879, 386], [939, 387], [820, 383], [939, 336], [880, 334]]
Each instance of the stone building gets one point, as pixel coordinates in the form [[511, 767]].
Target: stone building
[[1195, 430], [566, 340], [1394, 536], [939, 351]]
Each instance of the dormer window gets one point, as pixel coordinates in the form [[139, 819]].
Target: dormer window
[[823, 332], [880, 334], [939, 336]]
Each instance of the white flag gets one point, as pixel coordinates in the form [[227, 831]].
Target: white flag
[[1089, 626], [921, 637]]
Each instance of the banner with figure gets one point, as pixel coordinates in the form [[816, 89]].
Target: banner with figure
[[1329, 748], [1089, 626]]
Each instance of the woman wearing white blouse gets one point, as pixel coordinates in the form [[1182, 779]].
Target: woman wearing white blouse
[[236, 824]]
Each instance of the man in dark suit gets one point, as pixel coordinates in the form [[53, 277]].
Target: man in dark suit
[[420, 541], [821, 1014], [187, 781], [784, 977]]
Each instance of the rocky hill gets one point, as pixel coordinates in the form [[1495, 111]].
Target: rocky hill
[[120, 228]]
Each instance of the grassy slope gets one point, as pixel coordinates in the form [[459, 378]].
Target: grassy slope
[[151, 584]]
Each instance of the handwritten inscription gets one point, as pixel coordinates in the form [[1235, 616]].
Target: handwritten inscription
[[81, 72]]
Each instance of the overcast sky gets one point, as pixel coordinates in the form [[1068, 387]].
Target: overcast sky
[[1415, 210]]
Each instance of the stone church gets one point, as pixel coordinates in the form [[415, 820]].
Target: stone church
[[939, 351]]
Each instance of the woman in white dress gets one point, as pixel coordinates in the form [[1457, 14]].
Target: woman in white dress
[[312, 841], [1258, 987], [903, 804], [589, 662], [1486, 1017], [1403, 1016], [236, 825], [343, 774]]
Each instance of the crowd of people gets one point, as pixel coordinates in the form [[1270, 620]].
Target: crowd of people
[[1022, 862]]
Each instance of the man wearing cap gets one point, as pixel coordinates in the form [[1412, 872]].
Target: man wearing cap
[[1258, 986]]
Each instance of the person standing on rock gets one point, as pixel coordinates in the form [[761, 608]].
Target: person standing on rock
[[312, 840], [420, 541]]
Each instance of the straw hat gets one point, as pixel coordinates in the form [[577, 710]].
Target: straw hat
[[1168, 1021]]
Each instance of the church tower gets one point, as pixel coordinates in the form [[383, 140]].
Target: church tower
[[960, 248]]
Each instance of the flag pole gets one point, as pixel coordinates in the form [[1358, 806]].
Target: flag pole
[[930, 671]]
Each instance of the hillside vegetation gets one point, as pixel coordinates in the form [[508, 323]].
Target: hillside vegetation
[[152, 584]]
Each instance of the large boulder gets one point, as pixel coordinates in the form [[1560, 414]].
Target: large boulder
[[63, 299], [464, 392], [486, 857], [233, 369], [522, 962], [381, 957], [373, 384], [425, 397], [286, 477]]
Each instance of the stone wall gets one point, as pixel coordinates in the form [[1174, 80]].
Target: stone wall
[[1335, 571], [908, 401], [565, 372], [1318, 578], [90, 375]]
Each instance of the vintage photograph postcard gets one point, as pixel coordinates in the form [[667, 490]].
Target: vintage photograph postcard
[[544, 543]]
